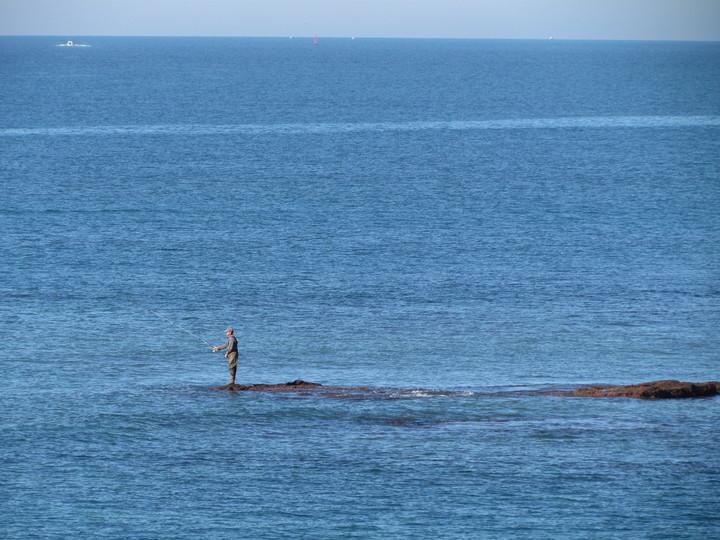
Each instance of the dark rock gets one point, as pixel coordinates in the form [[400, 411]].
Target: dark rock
[[293, 386], [652, 390], [302, 384], [648, 390]]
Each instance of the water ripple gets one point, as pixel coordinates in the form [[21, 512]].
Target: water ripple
[[594, 122]]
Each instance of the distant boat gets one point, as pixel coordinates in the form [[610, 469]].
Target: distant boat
[[71, 43], [316, 40]]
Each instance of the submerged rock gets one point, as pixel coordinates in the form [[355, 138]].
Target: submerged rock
[[652, 390]]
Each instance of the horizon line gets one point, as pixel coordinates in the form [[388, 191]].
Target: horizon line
[[351, 37]]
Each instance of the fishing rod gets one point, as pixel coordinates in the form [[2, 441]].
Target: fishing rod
[[181, 328]]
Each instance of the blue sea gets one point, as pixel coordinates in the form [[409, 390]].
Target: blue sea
[[458, 224]]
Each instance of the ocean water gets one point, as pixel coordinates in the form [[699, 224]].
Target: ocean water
[[461, 222]]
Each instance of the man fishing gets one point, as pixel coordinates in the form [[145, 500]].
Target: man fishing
[[231, 353]]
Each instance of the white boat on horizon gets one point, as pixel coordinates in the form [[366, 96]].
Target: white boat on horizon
[[71, 43]]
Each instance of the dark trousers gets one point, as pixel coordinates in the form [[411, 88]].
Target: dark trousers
[[232, 366]]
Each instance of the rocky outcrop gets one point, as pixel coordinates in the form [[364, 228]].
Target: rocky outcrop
[[652, 390], [297, 385], [293, 386], [648, 390]]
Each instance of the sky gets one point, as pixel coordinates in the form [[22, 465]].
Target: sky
[[561, 19]]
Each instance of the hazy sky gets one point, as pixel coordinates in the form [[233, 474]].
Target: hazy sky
[[579, 19]]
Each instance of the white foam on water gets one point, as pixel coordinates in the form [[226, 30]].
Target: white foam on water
[[424, 393], [578, 122]]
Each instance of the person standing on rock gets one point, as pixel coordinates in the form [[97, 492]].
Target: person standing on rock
[[231, 353]]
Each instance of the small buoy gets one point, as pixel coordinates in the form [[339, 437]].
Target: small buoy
[[69, 43]]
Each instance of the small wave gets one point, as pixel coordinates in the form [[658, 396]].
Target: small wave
[[394, 393], [589, 122]]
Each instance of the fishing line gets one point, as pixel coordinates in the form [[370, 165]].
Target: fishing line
[[179, 327]]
